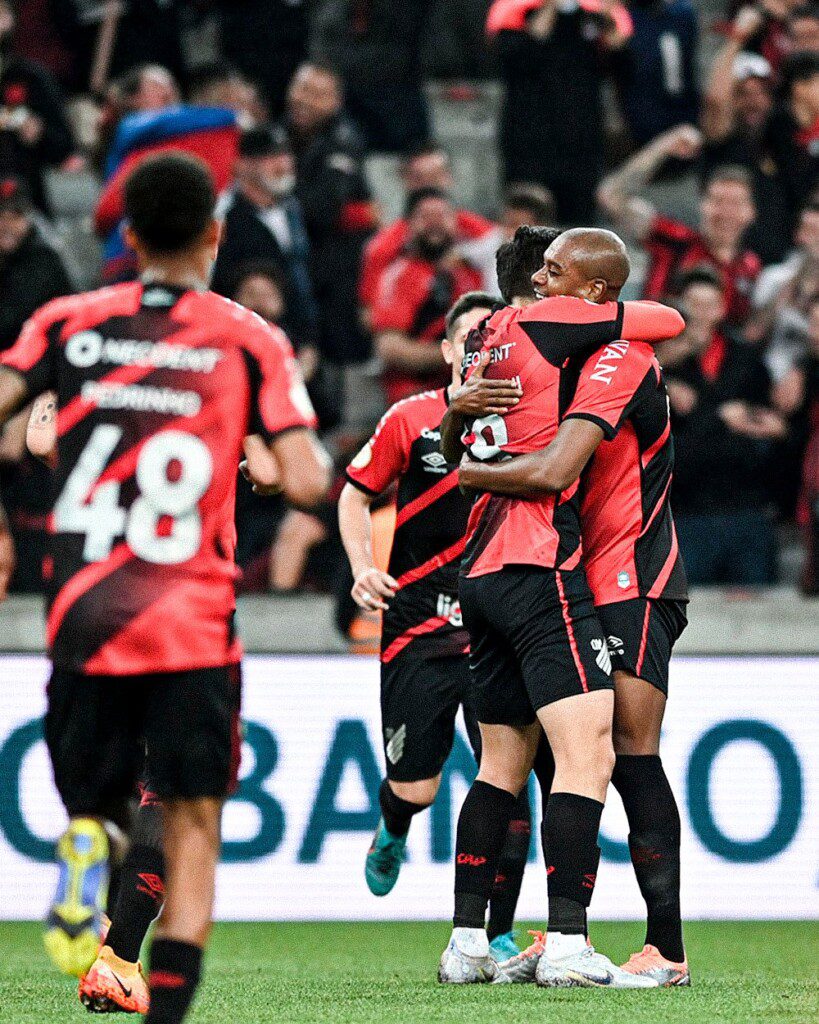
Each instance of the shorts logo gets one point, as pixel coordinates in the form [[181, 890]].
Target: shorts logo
[[450, 609], [434, 462], [396, 739], [623, 580], [602, 656], [616, 645]]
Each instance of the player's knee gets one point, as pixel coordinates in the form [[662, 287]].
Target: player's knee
[[590, 761], [422, 792], [633, 739]]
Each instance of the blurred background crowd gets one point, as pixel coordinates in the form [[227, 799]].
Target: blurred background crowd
[[372, 155]]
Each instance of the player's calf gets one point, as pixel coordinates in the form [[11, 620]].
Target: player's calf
[[387, 850]]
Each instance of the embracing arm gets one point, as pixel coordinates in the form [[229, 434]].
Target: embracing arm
[[550, 470]]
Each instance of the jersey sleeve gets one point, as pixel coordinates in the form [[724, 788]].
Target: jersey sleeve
[[651, 321], [33, 355], [279, 399], [385, 456], [608, 384]]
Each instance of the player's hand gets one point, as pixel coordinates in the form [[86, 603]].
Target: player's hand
[[682, 397], [478, 396], [747, 23], [735, 416], [260, 467], [372, 588], [683, 142], [8, 559]]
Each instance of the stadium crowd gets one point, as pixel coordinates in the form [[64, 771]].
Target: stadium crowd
[[289, 103]]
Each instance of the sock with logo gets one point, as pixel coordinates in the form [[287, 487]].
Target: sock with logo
[[141, 893], [511, 865], [482, 827], [654, 844], [569, 831], [397, 813], [175, 971]]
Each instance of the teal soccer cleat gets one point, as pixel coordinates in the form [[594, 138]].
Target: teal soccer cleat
[[503, 947], [384, 860]]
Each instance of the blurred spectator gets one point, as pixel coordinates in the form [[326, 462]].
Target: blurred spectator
[[656, 72], [738, 100], [783, 296], [34, 133], [454, 46], [38, 39], [726, 212], [725, 435], [159, 123], [375, 47], [222, 85], [428, 167], [792, 132], [526, 204], [414, 294], [31, 272], [802, 385], [267, 40], [263, 221], [767, 27], [339, 212], [803, 29], [27, 498], [552, 122]]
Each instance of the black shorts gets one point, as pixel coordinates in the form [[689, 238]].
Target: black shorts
[[180, 728], [535, 639], [641, 635], [420, 698]]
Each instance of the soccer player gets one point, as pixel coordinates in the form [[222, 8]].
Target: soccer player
[[424, 667], [538, 654], [157, 382], [637, 578]]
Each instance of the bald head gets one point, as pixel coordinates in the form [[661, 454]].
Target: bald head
[[590, 263]]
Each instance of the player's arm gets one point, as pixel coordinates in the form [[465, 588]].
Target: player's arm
[[372, 587], [294, 464], [476, 396], [549, 471], [41, 431]]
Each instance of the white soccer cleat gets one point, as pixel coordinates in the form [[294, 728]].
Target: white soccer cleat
[[520, 969], [458, 967], [586, 969]]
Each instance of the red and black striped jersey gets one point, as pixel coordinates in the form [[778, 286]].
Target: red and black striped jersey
[[541, 346], [629, 541], [430, 527], [156, 388]]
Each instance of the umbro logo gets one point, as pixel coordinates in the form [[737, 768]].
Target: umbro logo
[[616, 645], [602, 655], [434, 463], [396, 740]]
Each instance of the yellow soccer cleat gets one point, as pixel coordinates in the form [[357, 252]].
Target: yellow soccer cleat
[[72, 935], [113, 985]]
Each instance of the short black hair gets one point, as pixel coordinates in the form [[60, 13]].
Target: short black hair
[[535, 199], [465, 304], [517, 260], [169, 201], [258, 268], [702, 273], [414, 199]]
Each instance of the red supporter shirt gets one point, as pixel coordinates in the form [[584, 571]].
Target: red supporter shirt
[[156, 388], [413, 298], [424, 617], [629, 541], [674, 247], [385, 247], [539, 345]]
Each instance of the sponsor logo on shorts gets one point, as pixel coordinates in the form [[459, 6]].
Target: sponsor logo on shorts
[[434, 463], [396, 740], [450, 609], [602, 655]]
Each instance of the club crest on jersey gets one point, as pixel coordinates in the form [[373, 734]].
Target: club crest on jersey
[[396, 740], [623, 580], [434, 463], [364, 457], [607, 364], [450, 609], [602, 655]]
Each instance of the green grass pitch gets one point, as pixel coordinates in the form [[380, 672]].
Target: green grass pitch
[[744, 973]]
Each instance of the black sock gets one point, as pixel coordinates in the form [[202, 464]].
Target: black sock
[[175, 971], [482, 827], [544, 769], [397, 813], [511, 865], [569, 830], [141, 894], [654, 842]]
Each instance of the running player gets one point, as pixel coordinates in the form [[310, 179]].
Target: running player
[[424, 667], [538, 653], [637, 578], [157, 383]]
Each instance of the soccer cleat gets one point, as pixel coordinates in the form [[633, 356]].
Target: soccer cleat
[[586, 969], [650, 963], [520, 968], [503, 947], [72, 935], [384, 860], [113, 985], [459, 968]]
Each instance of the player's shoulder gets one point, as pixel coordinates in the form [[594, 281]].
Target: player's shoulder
[[567, 309], [413, 413], [89, 307], [247, 328]]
